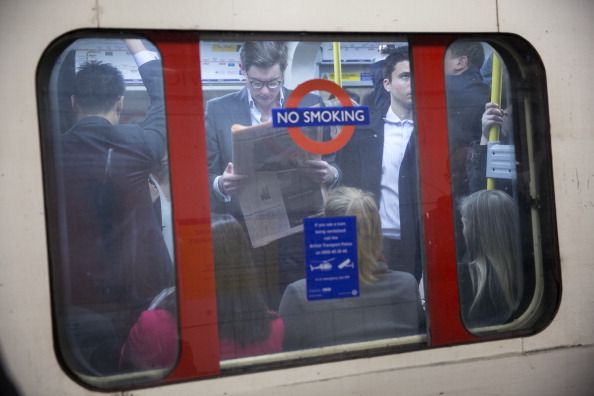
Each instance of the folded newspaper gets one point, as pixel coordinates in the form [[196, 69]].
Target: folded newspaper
[[278, 194]]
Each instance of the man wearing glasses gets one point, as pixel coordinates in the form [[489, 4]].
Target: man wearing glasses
[[263, 64]]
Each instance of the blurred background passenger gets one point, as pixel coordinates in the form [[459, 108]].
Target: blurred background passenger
[[153, 340], [466, 98], [491, 279], [246, 324], [388, 305]]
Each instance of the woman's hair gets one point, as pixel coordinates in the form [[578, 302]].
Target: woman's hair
[[243, 314], [492, 238], [348, 201]]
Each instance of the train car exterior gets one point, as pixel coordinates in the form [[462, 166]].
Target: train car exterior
[[544, 359]]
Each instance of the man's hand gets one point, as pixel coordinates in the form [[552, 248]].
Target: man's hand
[[493, 115], [320, 171], [231, 183]]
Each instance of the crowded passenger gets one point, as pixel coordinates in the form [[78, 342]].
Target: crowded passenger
[[388, 304], [466, 98], [491, 279], [263, 64], [246, 324], [381, 159], [116, 259]]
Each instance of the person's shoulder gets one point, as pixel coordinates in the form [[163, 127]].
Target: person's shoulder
[[295, 291], [226, 100], [402, 279]]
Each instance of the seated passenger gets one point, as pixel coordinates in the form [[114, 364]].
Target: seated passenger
[[246, 326], [153, 340], [491, 281], [388, 305]]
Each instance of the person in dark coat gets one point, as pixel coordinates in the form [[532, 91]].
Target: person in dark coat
[[381, 158], [466, 98], [115, 257]]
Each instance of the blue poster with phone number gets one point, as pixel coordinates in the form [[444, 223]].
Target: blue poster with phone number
[[331, 257]]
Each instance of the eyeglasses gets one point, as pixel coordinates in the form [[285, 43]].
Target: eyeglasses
[[273, 84]]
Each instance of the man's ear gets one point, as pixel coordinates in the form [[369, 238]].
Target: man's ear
[[119, 106], [387, 84]]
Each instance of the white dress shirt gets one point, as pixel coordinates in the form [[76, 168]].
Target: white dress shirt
[[397, 134]]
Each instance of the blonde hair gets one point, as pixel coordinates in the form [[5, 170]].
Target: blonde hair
[[492, 238], [348, 201]]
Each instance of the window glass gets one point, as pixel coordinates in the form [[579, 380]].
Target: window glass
[[279, 288], [492, 216], [109, 209]]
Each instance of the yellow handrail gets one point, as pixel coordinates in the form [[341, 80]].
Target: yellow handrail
[[337, 64], [496, 88]]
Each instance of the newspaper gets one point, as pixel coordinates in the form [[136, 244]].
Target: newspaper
[[277, 195]]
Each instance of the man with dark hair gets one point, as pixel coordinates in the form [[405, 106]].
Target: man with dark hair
[[466, 98], [97, 87], [382, 159], [263, 64], [115, 256]]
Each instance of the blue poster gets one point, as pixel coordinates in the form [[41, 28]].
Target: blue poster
[[331, 257]]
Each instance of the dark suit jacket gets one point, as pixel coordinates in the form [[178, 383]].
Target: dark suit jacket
[[116, 256], [466, 98], [361, 165], [221, 114]]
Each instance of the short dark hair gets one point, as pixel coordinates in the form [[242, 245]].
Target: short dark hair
[[264, 54], [97, 86], [471, 49], [400, 54]]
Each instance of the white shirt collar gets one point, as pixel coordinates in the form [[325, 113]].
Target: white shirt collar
[[392, 118]]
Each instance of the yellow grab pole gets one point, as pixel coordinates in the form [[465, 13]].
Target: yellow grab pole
[[337, 64], [496, 87]]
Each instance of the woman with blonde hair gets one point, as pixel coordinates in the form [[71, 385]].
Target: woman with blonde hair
[[491, 281], [388, 304]]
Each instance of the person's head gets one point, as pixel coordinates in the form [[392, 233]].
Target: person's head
[[490, 228], [397, 81], [263, 63], [348, 201], [99, 90], [242, 310], [462, 55]]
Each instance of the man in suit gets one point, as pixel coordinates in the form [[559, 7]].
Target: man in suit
[[263, 64], [467, 95], [116, 260], [381, 159]]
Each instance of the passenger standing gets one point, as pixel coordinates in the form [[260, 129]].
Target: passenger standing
[[381, 159], [466, 98], [116, 259], [263, 64], [387, 306]]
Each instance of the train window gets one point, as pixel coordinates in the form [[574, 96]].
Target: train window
[[109, 209], [279, 281], [500, 282], [314, 217]]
